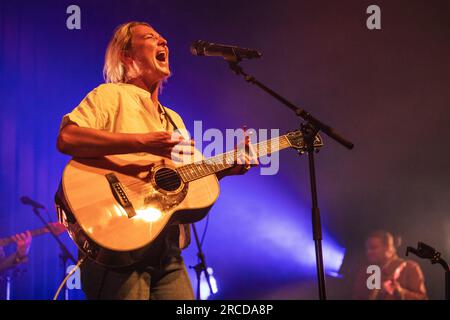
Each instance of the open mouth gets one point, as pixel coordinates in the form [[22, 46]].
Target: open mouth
[[161, 56]]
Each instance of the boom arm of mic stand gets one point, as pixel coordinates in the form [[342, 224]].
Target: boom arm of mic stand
[[319, 125]]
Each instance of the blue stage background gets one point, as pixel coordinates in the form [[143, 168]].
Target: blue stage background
[[387, 90]]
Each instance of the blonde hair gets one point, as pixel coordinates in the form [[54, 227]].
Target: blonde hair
[[114, 69]]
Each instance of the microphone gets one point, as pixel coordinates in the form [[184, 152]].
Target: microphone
[[204, 48], [28, 201]]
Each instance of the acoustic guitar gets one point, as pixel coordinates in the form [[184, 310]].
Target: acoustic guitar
[[115, 206]]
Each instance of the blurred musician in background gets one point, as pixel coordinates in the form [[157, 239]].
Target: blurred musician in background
[[400, 279]]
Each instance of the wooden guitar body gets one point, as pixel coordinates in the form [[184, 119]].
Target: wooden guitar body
[[115, 206]]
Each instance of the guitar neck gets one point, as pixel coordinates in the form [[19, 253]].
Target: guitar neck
[[203, 168], [37, 232]]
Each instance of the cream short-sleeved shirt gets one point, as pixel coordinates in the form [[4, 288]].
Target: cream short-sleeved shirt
[[125, 108], [122, 108]]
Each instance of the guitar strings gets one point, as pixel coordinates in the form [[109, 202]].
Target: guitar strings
[[195, 169]]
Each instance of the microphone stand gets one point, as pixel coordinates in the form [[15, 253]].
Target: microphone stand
[[309, 129], [201, 265], [425, 251], [64, 254]]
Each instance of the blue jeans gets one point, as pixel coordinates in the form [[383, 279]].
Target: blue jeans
[[162, 276]]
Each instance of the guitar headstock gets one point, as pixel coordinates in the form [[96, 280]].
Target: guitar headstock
[[297, 140]]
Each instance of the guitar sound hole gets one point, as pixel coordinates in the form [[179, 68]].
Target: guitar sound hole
[[167, 179]]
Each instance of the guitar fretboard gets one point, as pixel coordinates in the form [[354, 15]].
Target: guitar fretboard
[[203, 168], [8, 240]]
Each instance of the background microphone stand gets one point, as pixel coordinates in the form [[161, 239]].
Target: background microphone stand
[[309, 129], [64, 254], [200, 266]]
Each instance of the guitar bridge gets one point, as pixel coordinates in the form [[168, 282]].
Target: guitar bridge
[[120, 195]]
